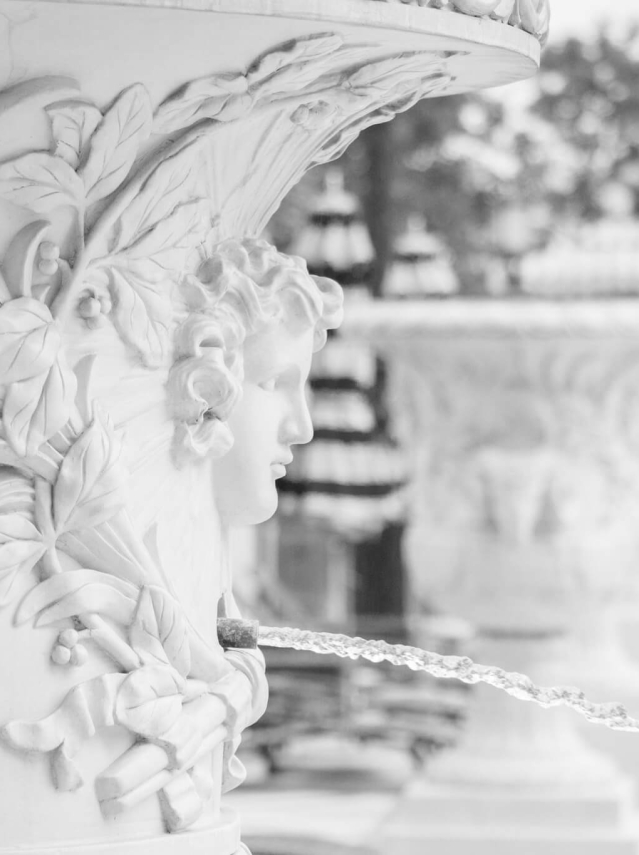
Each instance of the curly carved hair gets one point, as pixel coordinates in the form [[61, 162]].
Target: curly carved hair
[[240, 288]]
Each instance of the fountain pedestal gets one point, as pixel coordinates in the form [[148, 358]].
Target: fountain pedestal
[[521, 418]]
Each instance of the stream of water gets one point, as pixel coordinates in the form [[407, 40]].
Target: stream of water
[[462, 668]]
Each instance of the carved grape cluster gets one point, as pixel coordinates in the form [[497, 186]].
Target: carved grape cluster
[[69, 650], [94, 307], [48, 255]]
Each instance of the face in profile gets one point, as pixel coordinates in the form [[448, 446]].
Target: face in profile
[[271, 417]]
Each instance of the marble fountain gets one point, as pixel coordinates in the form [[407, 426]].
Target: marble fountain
[[153, 355]]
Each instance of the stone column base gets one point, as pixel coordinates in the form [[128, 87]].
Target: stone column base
[[221, 839], [458, 820]]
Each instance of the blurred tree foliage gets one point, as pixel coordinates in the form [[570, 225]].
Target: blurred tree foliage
[[495, 175], [589, 93]]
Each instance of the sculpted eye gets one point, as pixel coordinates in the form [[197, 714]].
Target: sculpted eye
[[269, 385]]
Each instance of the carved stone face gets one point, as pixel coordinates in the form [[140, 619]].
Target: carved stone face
[[272, 416]]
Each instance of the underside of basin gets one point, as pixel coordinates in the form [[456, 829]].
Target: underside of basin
[[97, 49]]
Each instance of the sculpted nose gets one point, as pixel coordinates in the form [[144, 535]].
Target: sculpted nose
[[305, 426], [299, 425]]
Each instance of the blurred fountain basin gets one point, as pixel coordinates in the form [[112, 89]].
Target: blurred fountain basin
[[522, 420]]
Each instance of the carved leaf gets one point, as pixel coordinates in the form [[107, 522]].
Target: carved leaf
[[163, 250], [72, 123], [385, 74], [141, 314], [169, 185], [29, 340], [40, 182], [159, 633], [57, 587], [20, 549], [224, 97], [36, 408], [36, 93], [19, 259], [116, 142], [395, 102], [111, 547], [142, 310], [290, 69], [100, 598], [149, 701], [17, 492], [90, 485], [28, 467]]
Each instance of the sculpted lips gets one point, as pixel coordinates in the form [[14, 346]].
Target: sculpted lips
[[278, 467]]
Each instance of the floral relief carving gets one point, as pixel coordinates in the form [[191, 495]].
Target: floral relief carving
[[138, 255]]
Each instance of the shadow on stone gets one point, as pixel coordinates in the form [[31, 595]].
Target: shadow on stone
[[284, 845]]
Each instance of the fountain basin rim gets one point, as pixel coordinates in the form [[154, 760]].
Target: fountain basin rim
[[396, 320], [414, 19]]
